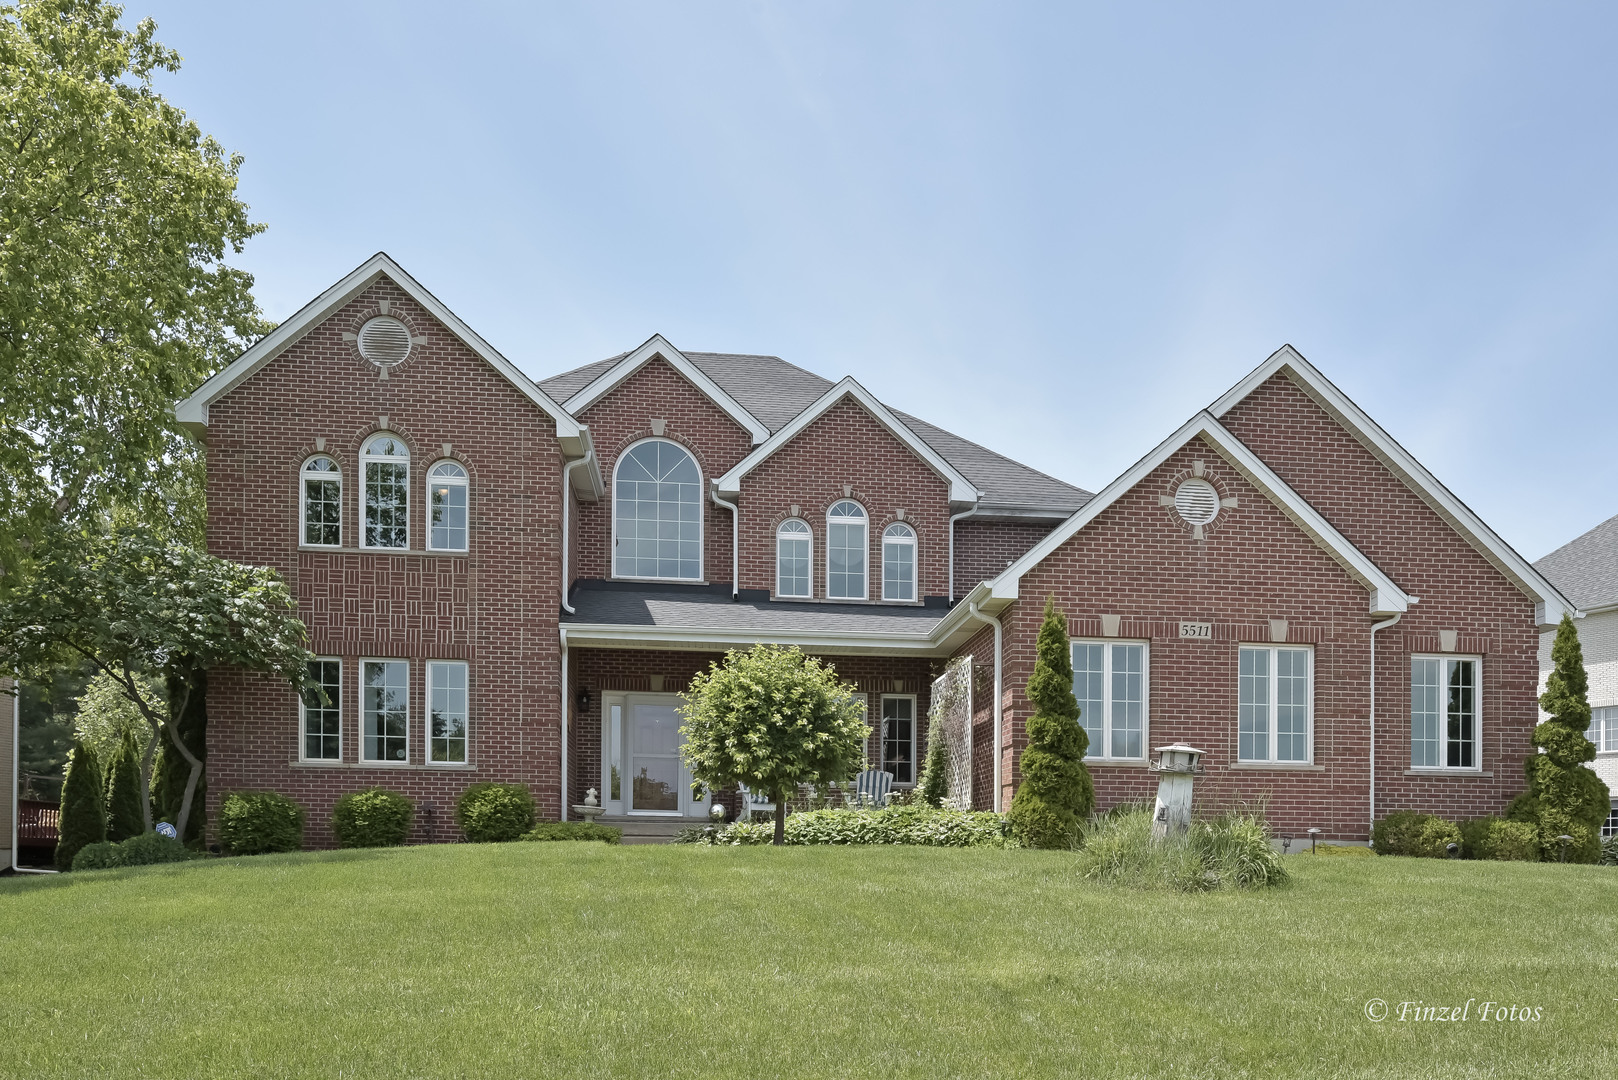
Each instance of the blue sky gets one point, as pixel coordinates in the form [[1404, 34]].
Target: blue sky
[[1058, 230]]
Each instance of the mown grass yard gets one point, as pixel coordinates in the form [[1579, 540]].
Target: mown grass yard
[[577, 960]]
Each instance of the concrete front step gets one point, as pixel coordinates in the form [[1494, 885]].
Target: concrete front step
[[648, 830]]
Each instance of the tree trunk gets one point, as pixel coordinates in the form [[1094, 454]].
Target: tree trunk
[[780, 818], [146, 778]]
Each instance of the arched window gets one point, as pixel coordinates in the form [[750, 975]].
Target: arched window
[[845, 551], [446, 507], [387, 493], [899, 562], [792, 546], [322, 502], [657, 509]]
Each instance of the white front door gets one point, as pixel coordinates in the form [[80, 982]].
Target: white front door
[[647, 757]]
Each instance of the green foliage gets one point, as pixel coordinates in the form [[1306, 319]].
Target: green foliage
[[259, 822], [149, 848], [46, 707], [934, 783], [915, 824], [1232, 851], [84, 818], [1406, 832], [1499, 838], [1609, 851], [105, 717], [574, 830], [374, 817], [1055, 795], [103, 856], [117, 214], [492, 813], [125, 816], [771, 718], [1564, 796]]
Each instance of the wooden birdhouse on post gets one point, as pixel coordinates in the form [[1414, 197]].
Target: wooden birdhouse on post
[[1176, 765]]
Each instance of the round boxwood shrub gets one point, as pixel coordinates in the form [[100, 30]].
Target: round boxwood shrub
[[1497, 838], [258, 822], [492, 813], [374, 817], [1406, 832], [149, 848], [102, 856]]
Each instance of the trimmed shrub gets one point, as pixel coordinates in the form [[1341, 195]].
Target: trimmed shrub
[[124, 792], [1230, 851], [103, 856], [260, 822], [1609, 851], [574, 830], [84, 814], [374, 817], [492, 813], [1056, 794], [1497, 838], [913, 823], [1406, 832], [149, 848]]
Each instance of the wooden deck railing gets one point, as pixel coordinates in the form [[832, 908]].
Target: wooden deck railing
[[37, 823]]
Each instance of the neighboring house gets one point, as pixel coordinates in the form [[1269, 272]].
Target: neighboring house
[[1586, 571], [510, 580]]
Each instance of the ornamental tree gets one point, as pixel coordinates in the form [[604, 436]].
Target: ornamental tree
[[771, 718], [139, 608], [1564, 797], [1056, 795]]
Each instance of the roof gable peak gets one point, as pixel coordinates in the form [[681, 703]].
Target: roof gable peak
[[659, 347]]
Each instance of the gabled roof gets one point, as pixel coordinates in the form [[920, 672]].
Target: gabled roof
[[961, 490], [1007, 485], [1586, 568], [1549, 601], [1386, 598], [657, 346]]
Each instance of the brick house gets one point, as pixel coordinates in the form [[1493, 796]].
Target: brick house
[[511, 580]]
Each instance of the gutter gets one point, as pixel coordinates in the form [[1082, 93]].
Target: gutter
[[735, 539], [567, 506], [1383, 625], [972, 610], [563, 783]]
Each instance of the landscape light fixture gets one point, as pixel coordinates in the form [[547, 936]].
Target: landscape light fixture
[[1314, 834], [1564, 840]]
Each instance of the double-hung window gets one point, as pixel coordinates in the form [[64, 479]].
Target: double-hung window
[[1110, 681], [446, 712], [793, 542], [899, 737], [322, 502], [898, 562], [845, 551], [387, 493], [385, 686], [1444, 712], [322, 713], [446, 507], [1275, 704], [1603, 730]]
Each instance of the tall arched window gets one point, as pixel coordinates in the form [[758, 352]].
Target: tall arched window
[[657, 510], [322, 502], [899, 562], [387, 493], [845, 551], [446, 507], [792, 547]]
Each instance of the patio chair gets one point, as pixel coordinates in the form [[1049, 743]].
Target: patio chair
[[873, 785]]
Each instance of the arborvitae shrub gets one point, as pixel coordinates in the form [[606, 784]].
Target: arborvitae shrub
[[493, 813], [1406, 832], [576, 830], [260, 822], [935, 771], [1056, 795], [102, 856], [374, 817], [1497, 838], [84, 818], [124, 816]]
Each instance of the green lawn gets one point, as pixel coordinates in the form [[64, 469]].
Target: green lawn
[[584, 960]]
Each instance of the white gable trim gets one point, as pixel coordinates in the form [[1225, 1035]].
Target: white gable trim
[[961, 490], [1548, 600], [1386, 598], [658, 346]]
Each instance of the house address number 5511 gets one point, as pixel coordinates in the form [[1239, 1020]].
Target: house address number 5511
[[1201, 630]]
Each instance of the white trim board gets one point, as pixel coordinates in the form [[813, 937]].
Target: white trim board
[[658, 346], [961, 490], [1549, 603]]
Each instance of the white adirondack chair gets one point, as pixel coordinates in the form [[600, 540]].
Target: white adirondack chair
[[873, 786], [754, 802]]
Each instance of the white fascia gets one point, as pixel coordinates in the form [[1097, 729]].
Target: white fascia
[[961, 490], [658, 346], [608, 635], [1549, 603], [1386, 598], [192, 413]]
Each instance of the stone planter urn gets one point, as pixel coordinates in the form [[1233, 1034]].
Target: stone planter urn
[[591, 808]]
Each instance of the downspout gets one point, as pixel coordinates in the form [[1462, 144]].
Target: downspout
[[1383, 625], [735, 540], [16, 788], [567, 505], [972, 610], [563, 784], [953, 518]]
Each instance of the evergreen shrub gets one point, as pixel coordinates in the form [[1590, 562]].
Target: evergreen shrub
[[147, 849], [260, 822], [493, 813], [1056, 795], [1498, 838], [1405, 832], [83, 819], [103, 856], [374, 817], [125, 817], [574, 830]]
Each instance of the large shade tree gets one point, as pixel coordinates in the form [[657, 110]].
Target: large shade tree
[[140, 608], [772, 718]]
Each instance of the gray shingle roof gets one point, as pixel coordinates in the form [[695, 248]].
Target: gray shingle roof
[[697, 607], [774, 391], [1586, 569]]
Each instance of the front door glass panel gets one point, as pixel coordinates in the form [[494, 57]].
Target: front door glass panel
[[654, 767]]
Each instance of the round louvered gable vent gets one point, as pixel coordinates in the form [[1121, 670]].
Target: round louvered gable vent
[[1197, 501], [384, 341]]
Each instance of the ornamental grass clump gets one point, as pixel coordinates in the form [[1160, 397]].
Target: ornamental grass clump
[[374, 817], [1231, 851], [495, 813]]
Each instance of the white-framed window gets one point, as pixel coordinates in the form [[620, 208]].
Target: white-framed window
[[1275, 703], [1444, 714], [386, 498], [898, 562], [1610, 826], [845, 551], [794, 545], [657, 513], [1111, 684], [446, 712], [446, 507], [899, 737], [322, 503], [385, 706], [321, 708], [1603, 730]]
